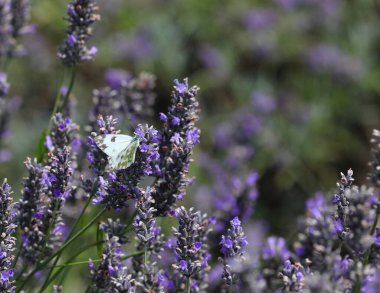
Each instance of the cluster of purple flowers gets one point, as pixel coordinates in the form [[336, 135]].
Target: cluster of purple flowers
[[14, 16], [81, 15]]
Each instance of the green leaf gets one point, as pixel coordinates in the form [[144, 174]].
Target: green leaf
[[41, 149]]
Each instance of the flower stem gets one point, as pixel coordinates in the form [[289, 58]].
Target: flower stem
[[68, 237], [62, 268], [187, 284], [67, 243], [69, 89]]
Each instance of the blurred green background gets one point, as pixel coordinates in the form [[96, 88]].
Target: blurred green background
[[316, 62]]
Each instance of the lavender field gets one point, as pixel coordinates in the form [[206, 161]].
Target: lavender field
[[189, 146]]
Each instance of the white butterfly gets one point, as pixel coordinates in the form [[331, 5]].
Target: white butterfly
[[120, 149]]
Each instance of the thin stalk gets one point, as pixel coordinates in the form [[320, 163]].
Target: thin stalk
[[67, 243], [56, 105], [145, 256], [69, 89], [375, 223], [187, 284], [68, 237], [84, 262], [72, 258]]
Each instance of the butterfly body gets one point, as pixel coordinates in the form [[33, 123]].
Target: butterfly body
[[120, 149]]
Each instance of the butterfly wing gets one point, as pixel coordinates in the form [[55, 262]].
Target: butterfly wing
[[120, 149], [128, 155]]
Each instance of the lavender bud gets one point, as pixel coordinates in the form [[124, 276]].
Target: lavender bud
[[191, 258], [115, 229], [81, 15], [20, 17], [342, 204], [176, 145], [293, 276], [7, 41], [150, 240], [107, 273], [232, 247], [139, 98], [374, 176], [7, 240], [64, 133]]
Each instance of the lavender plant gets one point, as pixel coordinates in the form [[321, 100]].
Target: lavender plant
[[336, 247]]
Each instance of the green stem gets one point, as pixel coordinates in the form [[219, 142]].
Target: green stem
[[64, 266], [84, 262], [375, 223], [56, 274], [67, 243], [187, 284], [145, 256], [68, 237], [56, 105], [69, 89]]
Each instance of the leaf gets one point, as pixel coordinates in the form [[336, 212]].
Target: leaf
[[41, 149]]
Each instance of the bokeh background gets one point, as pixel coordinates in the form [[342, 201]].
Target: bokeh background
[[289, 88]]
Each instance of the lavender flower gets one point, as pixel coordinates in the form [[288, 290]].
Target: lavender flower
[[7, 243], [108, 273], [106, 102], [374, 176], [81, 15], [128, 99], [176, 144], [20, 17], [342, 204], [316, 238], [30, 208], [4, 85], [44, 194], [191, 258], [293, 277], [232, 246], [139, 98], [6, 110], [63, 134], [116, 78], [6, 39], [273, 256], [115, 229], [330, 59], [32, 186], [150, 240]]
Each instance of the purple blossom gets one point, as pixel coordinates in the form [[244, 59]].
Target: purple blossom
[[189, 252], [116, 78], [174, 147], [276, 248], [81, 16], [7, 239], [233, 246]]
